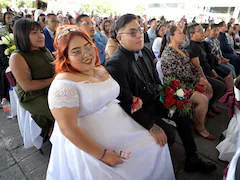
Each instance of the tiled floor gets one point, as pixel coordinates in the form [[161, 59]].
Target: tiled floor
[[20, 164]]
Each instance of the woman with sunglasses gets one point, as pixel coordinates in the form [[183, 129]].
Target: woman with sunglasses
[[93, 137]]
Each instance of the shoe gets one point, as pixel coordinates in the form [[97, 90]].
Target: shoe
[[210, 113], [209, 136], [196, 164]]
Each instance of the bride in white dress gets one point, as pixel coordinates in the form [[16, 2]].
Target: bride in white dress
[[91, 128]]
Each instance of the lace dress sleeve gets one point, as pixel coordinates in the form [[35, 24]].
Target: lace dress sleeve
[[62, 94]]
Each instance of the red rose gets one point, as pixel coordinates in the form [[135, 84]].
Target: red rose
[[175, 84], [200, 88], [169, 101], [188, 104], [169, 91], [180, 104], [187, 93]]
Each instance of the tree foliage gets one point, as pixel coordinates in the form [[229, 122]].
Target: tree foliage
[[140, 9], [4, 3], [19, 3], [98, 7]]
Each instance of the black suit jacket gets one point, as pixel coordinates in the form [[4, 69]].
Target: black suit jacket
[[123, 68]]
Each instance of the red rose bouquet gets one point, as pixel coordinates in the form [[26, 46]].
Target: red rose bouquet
[[175, 98]]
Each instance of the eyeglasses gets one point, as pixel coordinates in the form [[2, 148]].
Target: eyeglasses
[[200, 30], [133, 32], [88, 23], [77, 52]]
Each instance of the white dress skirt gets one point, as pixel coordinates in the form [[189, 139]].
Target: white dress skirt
[[108, 124], [228, 147]]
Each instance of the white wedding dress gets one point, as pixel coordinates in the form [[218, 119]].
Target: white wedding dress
[[228, 147], [108, 124]]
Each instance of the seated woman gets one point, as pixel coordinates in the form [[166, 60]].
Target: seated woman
[[31, 65], [112, 43], [106, 28], [160, 31], [176, 62], [93, 134]]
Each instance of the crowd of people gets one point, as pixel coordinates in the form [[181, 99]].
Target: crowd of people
[[90, 83]]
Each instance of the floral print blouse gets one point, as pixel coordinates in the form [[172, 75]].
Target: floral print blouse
[[179, 66]]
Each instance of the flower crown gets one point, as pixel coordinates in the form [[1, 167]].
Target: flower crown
[[65, 32]]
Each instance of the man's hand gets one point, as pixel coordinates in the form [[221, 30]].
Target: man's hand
[[137, 104], [158, 134], [215, 75], [224, 60]]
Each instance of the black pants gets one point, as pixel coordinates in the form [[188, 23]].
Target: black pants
[[183, 127], [218, 87], [234, 60]]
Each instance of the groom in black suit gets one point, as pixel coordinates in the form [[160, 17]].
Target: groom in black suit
[[132, 67]]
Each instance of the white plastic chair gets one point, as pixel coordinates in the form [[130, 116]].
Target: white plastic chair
[[29, 129]]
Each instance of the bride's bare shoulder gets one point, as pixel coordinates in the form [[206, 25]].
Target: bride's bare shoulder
[[68, 76]]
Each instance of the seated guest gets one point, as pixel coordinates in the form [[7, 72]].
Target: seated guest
[[217, 67], [99, 36], [4, 84], [60, 19], [132, 67], [176, 62], [237, 36], [160, 31], [41, 20], [198, 57], [226, 48], [230, 35], [7, 16], [31, 65], [216, 51], [85, 22], [152, 31], [92, 134], [112, 43], [143, 24], [50, 30], [106, 28], [41, 8], [65, 21]]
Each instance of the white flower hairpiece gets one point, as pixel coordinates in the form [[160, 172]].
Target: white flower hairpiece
[[66, 31]]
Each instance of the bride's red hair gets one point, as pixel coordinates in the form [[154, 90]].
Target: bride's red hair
[[61, 46]]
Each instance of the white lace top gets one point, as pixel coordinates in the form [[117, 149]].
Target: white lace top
[[89, 97]]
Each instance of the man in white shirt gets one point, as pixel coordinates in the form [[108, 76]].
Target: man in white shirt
[[151, 31]]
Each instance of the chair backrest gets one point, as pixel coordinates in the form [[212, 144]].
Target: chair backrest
[[159, 70], [10, 77]]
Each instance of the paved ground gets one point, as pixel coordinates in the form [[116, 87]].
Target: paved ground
[[17, 163]]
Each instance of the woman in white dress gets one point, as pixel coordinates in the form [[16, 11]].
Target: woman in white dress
[[93, 138]]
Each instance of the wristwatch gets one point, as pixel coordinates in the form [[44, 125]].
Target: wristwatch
[[156, 129]]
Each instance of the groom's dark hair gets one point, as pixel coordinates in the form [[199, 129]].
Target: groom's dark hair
[[123, 20]]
